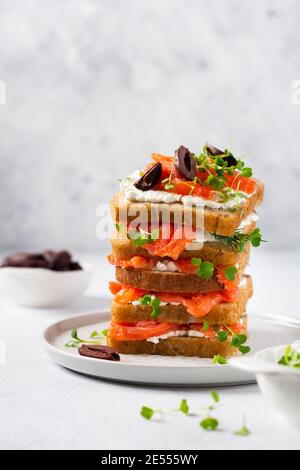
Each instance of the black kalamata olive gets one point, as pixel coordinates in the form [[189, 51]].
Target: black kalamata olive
[[229, 158], [99, 352], [214, 150], [150, 178], [185, 163]]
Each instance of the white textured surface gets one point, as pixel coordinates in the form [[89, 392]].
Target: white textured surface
[[93, 86], [43, 406]]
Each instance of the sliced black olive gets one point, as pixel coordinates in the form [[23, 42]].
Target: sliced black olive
[[230, 159], [214, 150], [149, 179], [185, 163]]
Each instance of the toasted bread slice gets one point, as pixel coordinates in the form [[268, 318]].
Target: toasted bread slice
[[218, 221], [223, 314], [213, 252], [157, 281], [175, 346]]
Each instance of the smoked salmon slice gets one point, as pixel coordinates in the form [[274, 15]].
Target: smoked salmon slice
[[140, 331], [144, 330], [170, 243], [197, 305]]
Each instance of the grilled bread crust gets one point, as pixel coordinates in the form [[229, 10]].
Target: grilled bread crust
[[223, 314], [218, 221], [176, 346], [210, 251], [157, 281]]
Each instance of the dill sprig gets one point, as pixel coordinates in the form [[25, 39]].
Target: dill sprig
[[239, 240]]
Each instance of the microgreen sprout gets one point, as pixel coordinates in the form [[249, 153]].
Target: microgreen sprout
[[142, 238], [291, 358], [154, 302], [220, 360], [244, 430], [209, 423], [148, 413], [237, 340], [120, 227], [231, 273], [205, 269], [76, 340], [239, 240]]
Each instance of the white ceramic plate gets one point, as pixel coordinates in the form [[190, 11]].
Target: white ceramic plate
[[264, 332]]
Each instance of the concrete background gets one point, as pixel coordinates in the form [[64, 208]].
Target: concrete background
[[93, 86]]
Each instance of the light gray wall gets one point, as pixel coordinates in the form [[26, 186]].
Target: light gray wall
[[93, 86]]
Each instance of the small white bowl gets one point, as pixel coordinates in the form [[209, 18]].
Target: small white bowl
[[279, 384], [42, 288]]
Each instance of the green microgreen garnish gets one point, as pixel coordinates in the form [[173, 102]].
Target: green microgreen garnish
[[205, 269], [206, 326], [237, 341], [154, 302], [142, 238], [222, 361], [218, 167], [95, 334], [210, 424], [291, 358], [147, 412], [168, 181], [247, 172], [120, 227], [76, 340], [244, 431], [194, 182], [215, 396], [184, 407], [239, 240], [230, 273], [223, 336]]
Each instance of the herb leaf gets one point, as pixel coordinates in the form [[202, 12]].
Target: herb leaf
[[230, 273], [219, 360], [147, 412], [239, 240], [142, 238], [184, 407], [291, 358], [210, 424], [206, 270], [76, 340], [243, 432], [223, 336], [215, 396], [154, 302]]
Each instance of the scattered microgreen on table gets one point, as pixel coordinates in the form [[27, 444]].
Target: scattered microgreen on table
[[208, 423]]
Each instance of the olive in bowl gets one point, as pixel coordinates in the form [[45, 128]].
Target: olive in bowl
[[43, 280]]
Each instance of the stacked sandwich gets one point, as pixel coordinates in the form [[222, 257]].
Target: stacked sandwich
[[181, 287]]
